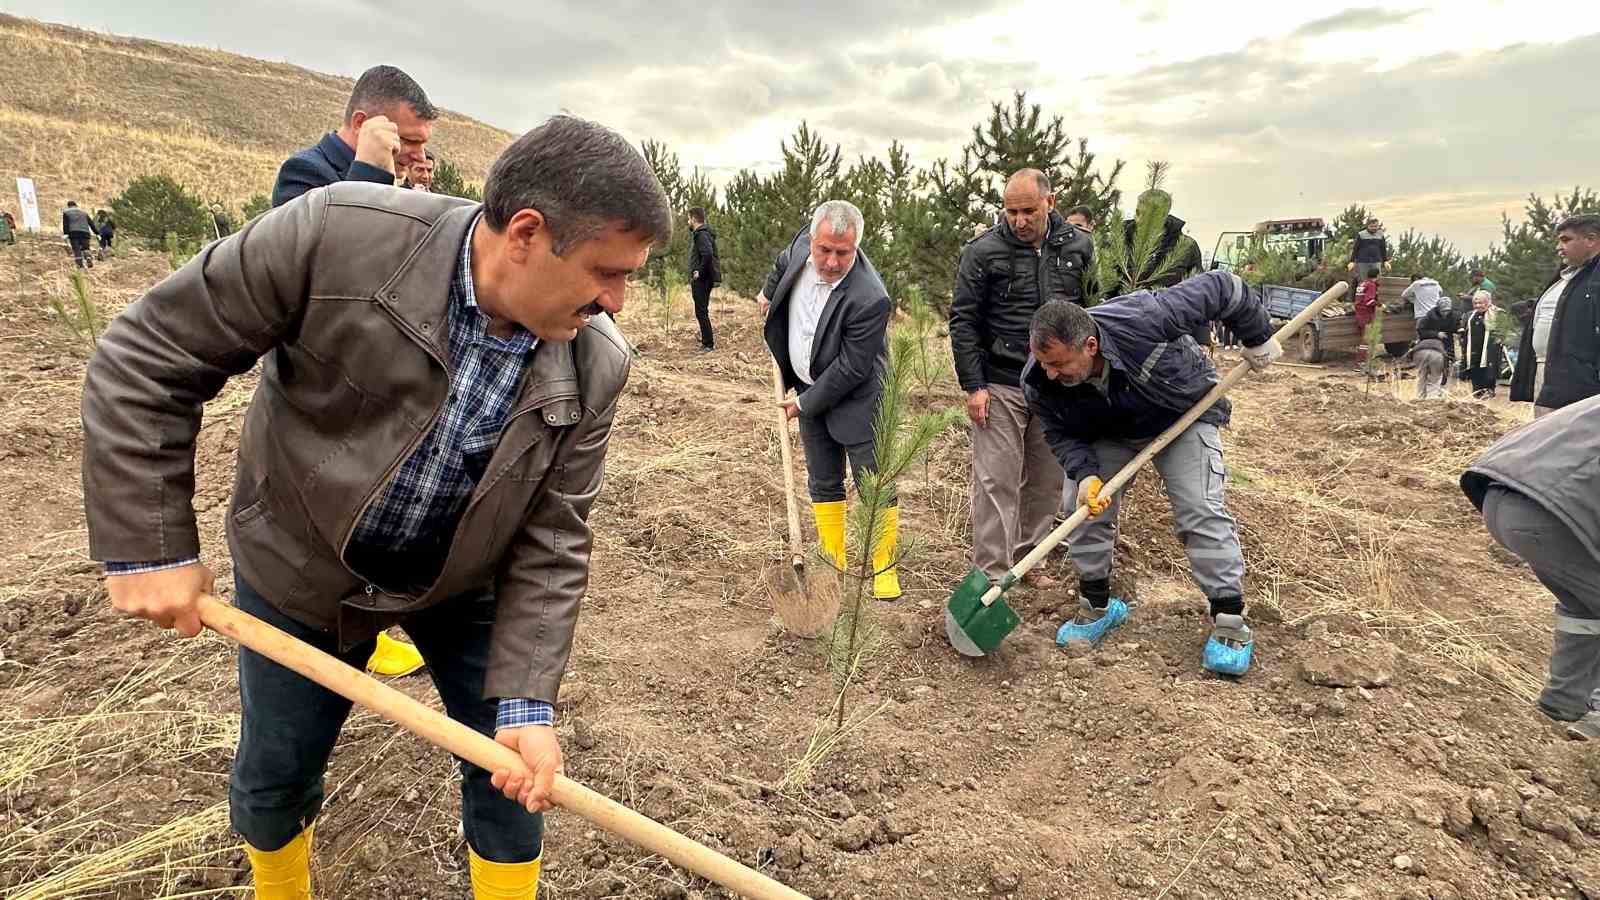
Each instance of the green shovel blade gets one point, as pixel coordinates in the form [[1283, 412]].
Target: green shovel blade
[[983, 626]]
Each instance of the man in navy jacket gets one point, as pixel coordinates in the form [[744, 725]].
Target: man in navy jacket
[[1107, 381], [386, 128]]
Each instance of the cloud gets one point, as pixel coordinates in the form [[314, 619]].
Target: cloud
[[1362, 18], [1256, 122], [1258, 134], [879, 127], [928, 84]]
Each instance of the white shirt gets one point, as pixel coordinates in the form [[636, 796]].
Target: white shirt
[[806, 302], [1544, 315], [1424, 294]]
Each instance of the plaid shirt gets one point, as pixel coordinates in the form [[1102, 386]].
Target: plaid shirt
[[420, 507]]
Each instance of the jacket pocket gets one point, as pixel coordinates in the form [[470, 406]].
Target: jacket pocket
[[1013, 353]]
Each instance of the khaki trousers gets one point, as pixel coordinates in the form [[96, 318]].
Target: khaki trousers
[[1016, 483]]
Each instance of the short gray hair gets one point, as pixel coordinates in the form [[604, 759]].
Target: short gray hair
[[1485, 296], [582, 177], [1061, 322], [842, 216]]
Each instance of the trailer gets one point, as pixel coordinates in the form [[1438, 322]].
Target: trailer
[[1335, 330]]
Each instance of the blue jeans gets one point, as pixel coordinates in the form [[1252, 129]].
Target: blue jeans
[[289, 725]]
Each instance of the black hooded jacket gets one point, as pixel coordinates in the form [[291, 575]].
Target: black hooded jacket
[[999, 283], [703, 254]]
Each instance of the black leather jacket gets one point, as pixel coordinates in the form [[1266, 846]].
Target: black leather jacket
[[999, 284]]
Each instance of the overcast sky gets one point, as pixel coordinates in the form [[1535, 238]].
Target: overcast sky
[[1438, 116]]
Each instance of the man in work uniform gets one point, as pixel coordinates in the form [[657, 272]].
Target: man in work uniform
[[827, 316], [427, 456], [1108, 380], [386, 128], [1535, 488], [78, 228], [387, 123], [1030, 257]]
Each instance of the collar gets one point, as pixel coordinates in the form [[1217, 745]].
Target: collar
[[1101, 382], [342, 155], [520, 338]]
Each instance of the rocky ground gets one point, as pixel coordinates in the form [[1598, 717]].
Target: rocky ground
[[1384, 745]]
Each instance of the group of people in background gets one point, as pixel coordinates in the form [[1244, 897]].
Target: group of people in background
[[1557, 359], [83, 233]]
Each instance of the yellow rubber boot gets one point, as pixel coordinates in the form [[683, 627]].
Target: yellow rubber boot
[[502, 881], [392, 657], [886, 584], [830, 530], [285, 873]]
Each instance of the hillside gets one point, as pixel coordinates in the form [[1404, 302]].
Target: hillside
[[94, 110]]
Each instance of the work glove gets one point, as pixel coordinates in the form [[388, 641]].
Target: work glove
[[1350, 267], [1261, 355], [1388, 266], [1089, 495]]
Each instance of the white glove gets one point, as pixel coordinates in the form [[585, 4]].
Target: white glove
[[1262, 355]]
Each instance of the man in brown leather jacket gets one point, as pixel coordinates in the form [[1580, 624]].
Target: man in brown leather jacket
[[423, 449]]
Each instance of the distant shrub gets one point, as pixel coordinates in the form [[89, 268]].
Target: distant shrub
[[447, 180], [179, 251], [154, 206], [256, 205]]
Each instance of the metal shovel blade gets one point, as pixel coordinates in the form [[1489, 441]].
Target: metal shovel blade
[[973, 628]]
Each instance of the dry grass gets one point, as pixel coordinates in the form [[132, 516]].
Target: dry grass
[[160, 856], [128, 717], [825, 739]]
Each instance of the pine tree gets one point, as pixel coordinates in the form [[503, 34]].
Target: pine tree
[[1125, 263], [1433, 256], [1526, 259], [764, 214], [1348, 223], [449, 180], [1016, 137]]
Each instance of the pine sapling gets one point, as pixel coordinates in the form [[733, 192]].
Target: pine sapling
[[901, 438]]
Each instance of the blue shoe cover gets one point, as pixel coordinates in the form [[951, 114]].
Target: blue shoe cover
[[1093, 630], [1229, 648]]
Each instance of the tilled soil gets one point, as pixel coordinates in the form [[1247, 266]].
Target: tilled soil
[[1384, 745]]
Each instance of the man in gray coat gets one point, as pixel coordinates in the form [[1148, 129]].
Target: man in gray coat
[[1536, 489], [827, 314]]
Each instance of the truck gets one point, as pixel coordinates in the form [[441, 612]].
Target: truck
[[1307, 236], [1335, 330]]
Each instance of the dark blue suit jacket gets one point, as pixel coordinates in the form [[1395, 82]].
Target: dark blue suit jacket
[[330, 160], [847, 355]]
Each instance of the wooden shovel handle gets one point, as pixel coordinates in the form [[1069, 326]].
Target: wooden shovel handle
[[448, 734], [1234, 376], [788, 466]]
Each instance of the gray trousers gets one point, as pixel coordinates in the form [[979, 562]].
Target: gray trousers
[[1430, 373], [1191, 468], [825, 459], [1570, 572], [1016, 483]]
